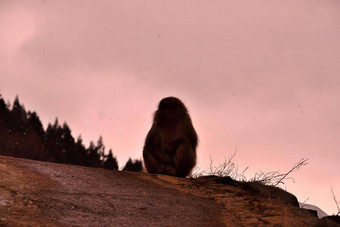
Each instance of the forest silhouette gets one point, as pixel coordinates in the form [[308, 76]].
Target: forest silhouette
[[22, 135]]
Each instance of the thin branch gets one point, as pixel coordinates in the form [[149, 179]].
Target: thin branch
[[302, 162], [336, 202], [303, 203], [227, 168], [196, 172]]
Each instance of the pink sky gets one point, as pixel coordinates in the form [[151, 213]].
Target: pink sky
[[262, 76]]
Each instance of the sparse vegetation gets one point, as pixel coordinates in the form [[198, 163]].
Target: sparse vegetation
[[229, 168], [275, 178]]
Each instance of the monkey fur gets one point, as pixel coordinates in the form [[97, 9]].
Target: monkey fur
[[170, 145]]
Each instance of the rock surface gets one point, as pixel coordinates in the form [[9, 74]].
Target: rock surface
[[34, 193], [320, 212]]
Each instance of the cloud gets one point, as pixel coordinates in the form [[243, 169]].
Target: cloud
[[193, 47]]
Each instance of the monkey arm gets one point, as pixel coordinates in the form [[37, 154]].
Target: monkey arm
[[185, 159], [151, 163]]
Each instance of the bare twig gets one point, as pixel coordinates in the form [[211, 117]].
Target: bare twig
[[297, 166], [196, 172], [275, 178], [303, 203], [211, 168], [227, 168], [336, 202]]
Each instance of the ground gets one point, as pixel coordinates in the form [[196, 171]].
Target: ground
[[34, 193]]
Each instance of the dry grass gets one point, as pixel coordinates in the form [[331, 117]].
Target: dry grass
[[226, 168], [276, 178], [229, 168]]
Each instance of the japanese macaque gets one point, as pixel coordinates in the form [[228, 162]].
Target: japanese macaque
[[170, 146]]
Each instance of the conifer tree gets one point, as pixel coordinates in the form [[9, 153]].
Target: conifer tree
[[22, 135], [110, 162], [94, 158], [34, 122], [134, 166], [18, 116]]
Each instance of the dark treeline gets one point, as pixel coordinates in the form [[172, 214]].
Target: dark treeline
[[22, 135]]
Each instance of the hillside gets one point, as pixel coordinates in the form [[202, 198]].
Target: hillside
[[22, 135], [34, 193]]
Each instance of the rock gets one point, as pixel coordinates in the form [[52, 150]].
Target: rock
[[320, 212], [270, 192], [51, 194], [329, 221]]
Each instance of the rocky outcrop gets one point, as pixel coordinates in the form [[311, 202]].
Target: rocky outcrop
[[34, 193]]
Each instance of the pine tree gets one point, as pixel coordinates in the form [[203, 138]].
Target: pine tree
[[18, 116], [93, 156], [68, 146], [4, 112], [100, 148], [81, 152], [134, 166], [110, 162], [34, 122], [54, 142]]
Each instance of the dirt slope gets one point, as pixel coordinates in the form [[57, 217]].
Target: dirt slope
[[36, 193]]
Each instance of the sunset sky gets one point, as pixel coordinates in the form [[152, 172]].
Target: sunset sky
[[262, 76]]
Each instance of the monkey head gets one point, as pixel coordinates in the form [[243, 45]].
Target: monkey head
[[169, 110]]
